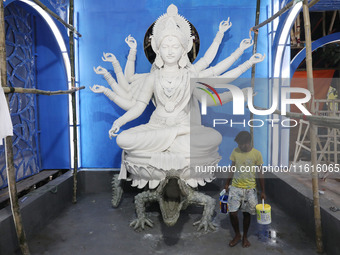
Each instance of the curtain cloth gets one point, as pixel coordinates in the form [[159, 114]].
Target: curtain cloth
[[6, 127]]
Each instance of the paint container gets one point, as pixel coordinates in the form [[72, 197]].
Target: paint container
[[224, 204], [263, 212]]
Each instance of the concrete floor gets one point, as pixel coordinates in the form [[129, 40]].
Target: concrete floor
[[92, 226]]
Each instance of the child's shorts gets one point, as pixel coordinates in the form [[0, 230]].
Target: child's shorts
[[244, 199]]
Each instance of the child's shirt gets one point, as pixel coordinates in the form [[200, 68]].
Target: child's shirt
[[245, 163]]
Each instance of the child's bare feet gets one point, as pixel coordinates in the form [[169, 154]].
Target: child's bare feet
[[245, 242], [235, 241]]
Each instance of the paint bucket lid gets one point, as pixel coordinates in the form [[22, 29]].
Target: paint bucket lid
[[264, 207]]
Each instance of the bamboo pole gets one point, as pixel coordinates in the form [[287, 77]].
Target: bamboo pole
[[292, 36], [312, 3], [298, 30], [280, 12], [253, 68], [69, 26], [8, 90], [74, 109], [9, 147], [312, 128], [332, 23], [323, 24]]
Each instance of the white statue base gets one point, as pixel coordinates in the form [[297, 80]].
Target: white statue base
[[141, 172]]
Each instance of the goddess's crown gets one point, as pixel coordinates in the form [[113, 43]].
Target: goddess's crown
[[171, 23]]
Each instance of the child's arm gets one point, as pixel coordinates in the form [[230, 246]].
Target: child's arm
[[261, 179], [230, 177]]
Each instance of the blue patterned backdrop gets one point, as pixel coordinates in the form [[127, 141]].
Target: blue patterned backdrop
[[104, 27], [21, 73]]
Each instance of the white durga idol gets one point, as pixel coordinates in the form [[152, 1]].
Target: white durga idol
[[164, 152]]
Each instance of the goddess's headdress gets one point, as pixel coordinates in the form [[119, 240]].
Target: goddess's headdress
[[171, 23]]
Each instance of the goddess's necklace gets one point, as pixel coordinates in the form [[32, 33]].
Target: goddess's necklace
[[170, 83], [171, 93]]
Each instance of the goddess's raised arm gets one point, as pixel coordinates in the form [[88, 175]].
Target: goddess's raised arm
[[131, 59], [210, 54], [222, 66], [123, 93], [116, 87], [109, 57], [236, 72], [122, 102], [137, 109]]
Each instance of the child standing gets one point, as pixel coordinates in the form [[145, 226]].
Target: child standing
[[242, 192]]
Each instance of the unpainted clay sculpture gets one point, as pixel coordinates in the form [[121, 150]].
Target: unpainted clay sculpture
[[163, 152]]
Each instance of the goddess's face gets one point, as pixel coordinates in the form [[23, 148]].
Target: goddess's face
[[171, 50]]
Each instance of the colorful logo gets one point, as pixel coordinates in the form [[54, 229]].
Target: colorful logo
[[209, 93]]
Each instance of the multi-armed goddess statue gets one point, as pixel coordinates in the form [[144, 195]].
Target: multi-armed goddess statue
[[162, 152]]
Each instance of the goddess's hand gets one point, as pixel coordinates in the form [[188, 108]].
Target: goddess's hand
[[98, 89], [225, 25], [113, 132], [109, 57], [99, 70], [131, 42], [257, 58], [246, 43]]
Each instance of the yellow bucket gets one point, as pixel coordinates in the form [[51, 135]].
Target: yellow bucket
[[263, 213]]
